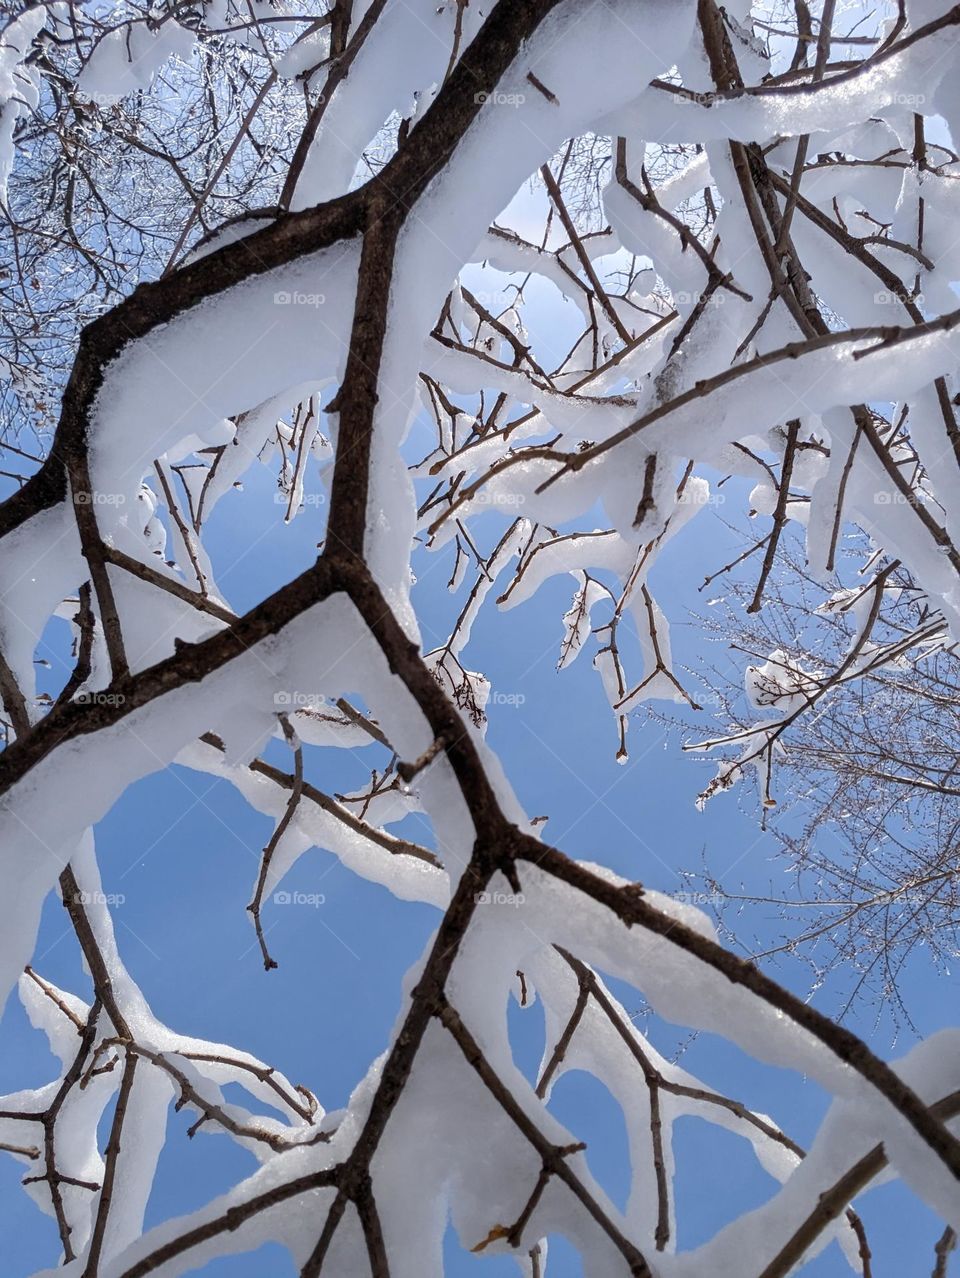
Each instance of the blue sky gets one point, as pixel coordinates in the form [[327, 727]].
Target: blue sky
[[183, 849]]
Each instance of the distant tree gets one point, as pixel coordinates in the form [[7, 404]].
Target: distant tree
[[853, 765]]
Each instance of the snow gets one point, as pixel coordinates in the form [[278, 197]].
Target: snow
[[19, 84], [128, 58], [623, 461]]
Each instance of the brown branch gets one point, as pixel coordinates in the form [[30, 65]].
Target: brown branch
[[13, 700], [102, 982], [833, 1201], [563, 1042], [111, 1161], [265, 1073], [51, 994], [210, 1111], [588, 269], [186, 534], [231, 1220], [26, 1151], [633, 910], [648, 201], [296, 790], [656, 1081], [192, 662], [389, 842], [946, 1244], [553, 1157], [86, 623], [344, 52], [647, 504], [779, 514], [372, 1231], [49, 1120], [144, 572], [700, 390]]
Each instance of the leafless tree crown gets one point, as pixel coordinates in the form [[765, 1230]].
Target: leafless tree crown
[[306, 193]]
